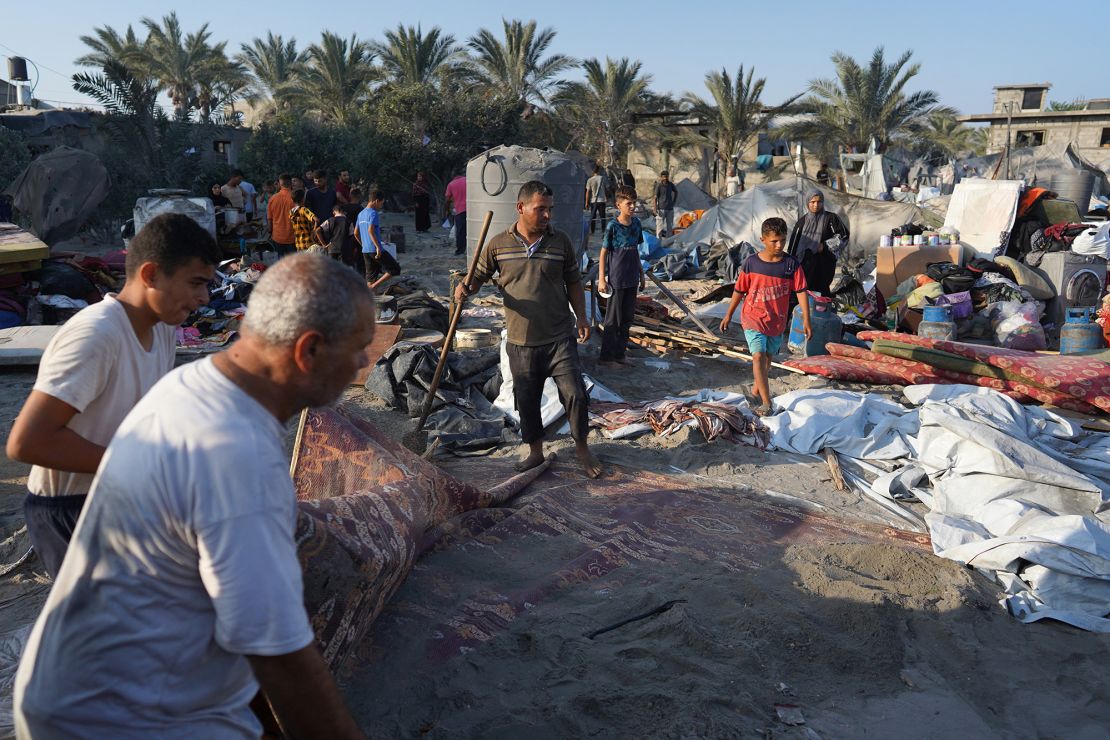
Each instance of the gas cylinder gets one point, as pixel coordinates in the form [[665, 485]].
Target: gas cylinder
[[1080, 333], [827, 327]]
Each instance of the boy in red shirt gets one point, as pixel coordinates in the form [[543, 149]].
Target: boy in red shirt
[[767, 279]]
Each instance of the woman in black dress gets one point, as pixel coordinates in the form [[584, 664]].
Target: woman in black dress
[[422, 202]]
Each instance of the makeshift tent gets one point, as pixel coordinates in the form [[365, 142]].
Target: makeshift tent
[[59, 190], [1036, 166], [738, 219]]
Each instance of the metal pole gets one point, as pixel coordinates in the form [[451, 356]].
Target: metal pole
[[1009, 141]]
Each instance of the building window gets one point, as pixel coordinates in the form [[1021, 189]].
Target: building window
[[221, 146], [1031, 99], [1030, 138], [1105, 140]]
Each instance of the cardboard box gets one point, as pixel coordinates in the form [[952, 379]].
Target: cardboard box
[[895, 264]]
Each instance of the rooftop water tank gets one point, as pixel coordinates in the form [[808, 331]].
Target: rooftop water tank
[[494, 177]]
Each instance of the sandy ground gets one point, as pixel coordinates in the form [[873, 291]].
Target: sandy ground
[[869, 640]]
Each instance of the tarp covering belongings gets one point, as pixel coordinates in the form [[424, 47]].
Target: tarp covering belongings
[[368, 507], [59, 191], [738, 219], [1017, 491], [983, 212]]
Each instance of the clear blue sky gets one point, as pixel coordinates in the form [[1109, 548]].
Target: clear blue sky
[[964, 48]]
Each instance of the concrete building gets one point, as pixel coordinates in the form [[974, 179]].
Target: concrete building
[[1020, 113]]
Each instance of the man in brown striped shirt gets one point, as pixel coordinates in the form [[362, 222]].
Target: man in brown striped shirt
[[538, 275]]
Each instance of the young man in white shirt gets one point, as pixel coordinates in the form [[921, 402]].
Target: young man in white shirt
[[98, 366], [181, 596]]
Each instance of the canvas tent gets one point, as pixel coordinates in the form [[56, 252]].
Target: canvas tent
[[738, 219]]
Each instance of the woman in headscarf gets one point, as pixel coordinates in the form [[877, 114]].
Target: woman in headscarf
[[808, 243]]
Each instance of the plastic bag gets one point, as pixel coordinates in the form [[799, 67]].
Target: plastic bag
[[1017, 325], [960, 303]]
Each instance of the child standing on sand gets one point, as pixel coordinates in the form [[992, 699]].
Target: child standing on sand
[[621, 273], [765, 283]]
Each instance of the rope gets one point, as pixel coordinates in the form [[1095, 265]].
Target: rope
[[504, 177], [9, 568]]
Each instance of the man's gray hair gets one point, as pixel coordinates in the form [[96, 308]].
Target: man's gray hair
[[305, 292]]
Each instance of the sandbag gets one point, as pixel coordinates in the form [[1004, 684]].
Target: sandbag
[[1032, 280]]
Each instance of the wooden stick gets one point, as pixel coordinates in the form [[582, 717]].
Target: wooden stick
[[834, 468], [455, 316], [678, 302], [717, 346]]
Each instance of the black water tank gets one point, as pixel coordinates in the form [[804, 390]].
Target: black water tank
[[17, 69]]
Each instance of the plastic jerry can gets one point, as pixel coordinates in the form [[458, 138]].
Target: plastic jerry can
[[796, 339], [937, 323]]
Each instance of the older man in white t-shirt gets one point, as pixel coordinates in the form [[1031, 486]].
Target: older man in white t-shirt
[[181, 595]]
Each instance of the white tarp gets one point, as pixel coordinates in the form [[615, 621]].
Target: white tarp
[[551, 408], [1017, 491], [738, 219], [983, 211]]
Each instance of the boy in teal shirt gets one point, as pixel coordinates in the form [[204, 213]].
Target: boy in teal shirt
[[621, 273]]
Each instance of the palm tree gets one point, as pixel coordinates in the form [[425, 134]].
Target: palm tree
[[177, 59], [219, 86], [516, 66], [276, 69], [132, 104], [338, 75], [734, 115], [599, 110], [947, 138], [864, 103], [411, 57], [108, 45]]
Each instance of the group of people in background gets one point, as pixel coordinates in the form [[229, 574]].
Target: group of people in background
[[340, 221]]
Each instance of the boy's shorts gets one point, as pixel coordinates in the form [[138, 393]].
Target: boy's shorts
[[759, 342]]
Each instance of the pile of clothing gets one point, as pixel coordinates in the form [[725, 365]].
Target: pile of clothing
[[1000, 300]]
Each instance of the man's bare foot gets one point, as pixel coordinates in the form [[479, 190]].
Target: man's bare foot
[[591, 466], [529, 462], [624, 361]]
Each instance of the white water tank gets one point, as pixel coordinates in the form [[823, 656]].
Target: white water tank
[[494, 177], [157, 202]]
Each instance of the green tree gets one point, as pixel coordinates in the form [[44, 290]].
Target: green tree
[[599, 110], [338, 76], [734, 114], [411, 57], [1077, 104], [180, 60], [516, 66], [276, 70], [14, 156], [144, 148], [108, 45], [864, 103], [944, 137]]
